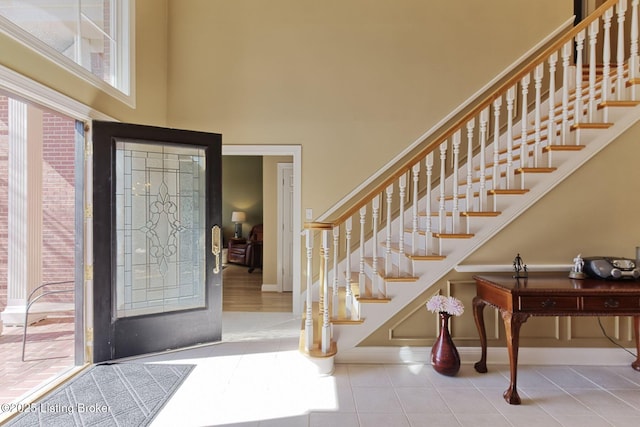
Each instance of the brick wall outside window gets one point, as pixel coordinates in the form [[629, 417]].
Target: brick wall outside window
[[58, 198]]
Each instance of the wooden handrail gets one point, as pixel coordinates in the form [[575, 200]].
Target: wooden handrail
[[438, 139]]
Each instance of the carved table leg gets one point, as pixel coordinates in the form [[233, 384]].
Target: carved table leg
[[478, 314], [636, 330], [512, 323]]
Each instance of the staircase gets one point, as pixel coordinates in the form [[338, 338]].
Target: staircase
[[375, 254]]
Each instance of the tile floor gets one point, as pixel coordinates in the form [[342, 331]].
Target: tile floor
[[258, 378]]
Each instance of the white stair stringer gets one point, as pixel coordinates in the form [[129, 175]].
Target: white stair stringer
[[430, 272]]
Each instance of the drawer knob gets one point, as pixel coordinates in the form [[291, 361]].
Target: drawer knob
[[612, 303], [548, 303]]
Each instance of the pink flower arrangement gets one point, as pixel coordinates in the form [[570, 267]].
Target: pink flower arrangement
[[449, 305]]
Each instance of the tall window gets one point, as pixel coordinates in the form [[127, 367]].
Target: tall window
[[91, 33]]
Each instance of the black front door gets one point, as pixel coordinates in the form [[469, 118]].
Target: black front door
[[157, 281]]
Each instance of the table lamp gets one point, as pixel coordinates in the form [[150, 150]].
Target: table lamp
[[238, 217]]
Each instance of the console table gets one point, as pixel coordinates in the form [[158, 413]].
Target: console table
[[549, 295]]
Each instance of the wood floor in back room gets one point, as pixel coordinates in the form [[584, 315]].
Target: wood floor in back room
[[241, 291]]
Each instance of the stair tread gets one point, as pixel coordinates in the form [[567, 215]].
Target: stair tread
[[563, 148], [512, 191], [535, 170], [587, 125], [453, 235], [395, 276]]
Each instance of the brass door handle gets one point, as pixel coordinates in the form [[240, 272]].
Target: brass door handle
[[216, 246]]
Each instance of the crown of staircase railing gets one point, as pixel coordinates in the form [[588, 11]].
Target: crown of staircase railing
[[514, 132]]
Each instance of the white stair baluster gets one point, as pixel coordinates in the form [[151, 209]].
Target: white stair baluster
[[362, 284], [606, 58], [414, 209], [335, 302], [428, 241], [497, 104], [593, 34], [442, 213], [348, 226], [324, 303], [455, 210], [469, 193], [578, 110], [511, 96], [551, 124], [375, 277], [524, 147], [621, 9], [482, 197], [566, 82], [402, 186], [388, 256], [633, 50], [537, 76], [308, 321]]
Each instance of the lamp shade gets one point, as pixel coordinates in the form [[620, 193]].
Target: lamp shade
[[238, 216]]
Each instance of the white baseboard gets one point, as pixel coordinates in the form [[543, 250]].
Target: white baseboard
[[269, 288], [495, 356]]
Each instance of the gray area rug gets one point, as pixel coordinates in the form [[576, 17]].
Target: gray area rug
[[118, 394]]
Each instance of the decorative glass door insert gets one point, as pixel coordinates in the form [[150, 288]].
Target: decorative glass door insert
[[160, 227]]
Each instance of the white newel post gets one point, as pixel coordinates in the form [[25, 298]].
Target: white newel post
[[308, 321], [324, 303], [25, 210]]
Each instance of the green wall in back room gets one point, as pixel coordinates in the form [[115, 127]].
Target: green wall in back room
[[241, 191]]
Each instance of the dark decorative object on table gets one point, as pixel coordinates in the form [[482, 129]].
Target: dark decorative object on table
[[519, 267]]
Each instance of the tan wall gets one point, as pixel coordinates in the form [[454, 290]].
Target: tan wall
[[593, 212], [344, 78]]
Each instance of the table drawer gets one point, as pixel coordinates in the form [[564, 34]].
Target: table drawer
[[549, 303], [610, 303]]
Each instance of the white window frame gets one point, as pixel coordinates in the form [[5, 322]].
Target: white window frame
[[125, 63]]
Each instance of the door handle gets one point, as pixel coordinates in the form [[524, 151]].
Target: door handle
[[216, 246]]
